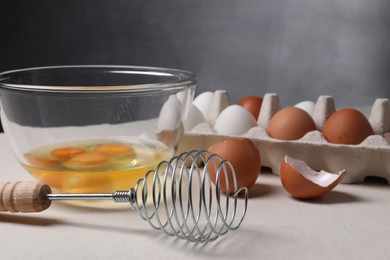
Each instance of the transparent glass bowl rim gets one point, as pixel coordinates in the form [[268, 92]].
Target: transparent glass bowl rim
[[184, 79]]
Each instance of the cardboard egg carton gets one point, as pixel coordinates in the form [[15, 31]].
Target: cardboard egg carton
[[371, 158]]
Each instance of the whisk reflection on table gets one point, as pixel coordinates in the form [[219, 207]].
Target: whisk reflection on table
[[178, 197]]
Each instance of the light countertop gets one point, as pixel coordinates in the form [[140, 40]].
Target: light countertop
[[351, 222]]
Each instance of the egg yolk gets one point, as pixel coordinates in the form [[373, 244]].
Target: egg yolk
[[86, 160], [66, 153], [41, 162], [114, 149]]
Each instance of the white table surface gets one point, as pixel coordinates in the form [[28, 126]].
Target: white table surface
[[351, 222]]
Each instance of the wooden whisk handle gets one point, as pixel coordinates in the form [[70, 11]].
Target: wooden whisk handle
[[26, 196]]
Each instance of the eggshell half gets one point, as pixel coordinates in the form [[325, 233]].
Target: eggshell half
[[302, 182]]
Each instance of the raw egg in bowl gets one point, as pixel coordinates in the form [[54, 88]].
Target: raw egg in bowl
[[87, 129]]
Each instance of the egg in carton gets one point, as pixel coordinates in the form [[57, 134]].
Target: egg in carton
[[221, 120]]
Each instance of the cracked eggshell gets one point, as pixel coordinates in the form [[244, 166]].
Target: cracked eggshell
[[234, 120], [302, 182]]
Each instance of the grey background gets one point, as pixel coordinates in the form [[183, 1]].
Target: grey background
[[299, 49]]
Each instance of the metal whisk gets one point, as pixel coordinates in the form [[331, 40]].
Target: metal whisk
[[178, 197]]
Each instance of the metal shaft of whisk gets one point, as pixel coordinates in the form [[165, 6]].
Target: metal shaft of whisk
[[118, 196]]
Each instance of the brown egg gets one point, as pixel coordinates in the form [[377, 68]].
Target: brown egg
[[252, 104], [290, 123], [347, 126], [302, 182], [245, 159]]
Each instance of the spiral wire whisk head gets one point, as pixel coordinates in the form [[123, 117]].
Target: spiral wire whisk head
[[183, 197], [180, 198]]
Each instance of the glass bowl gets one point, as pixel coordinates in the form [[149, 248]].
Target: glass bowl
[[92, 129]]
